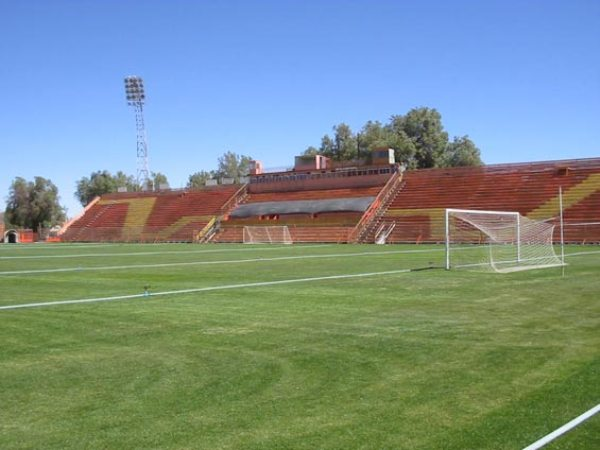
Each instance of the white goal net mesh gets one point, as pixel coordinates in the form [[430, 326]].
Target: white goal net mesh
[[498, 241], [267, 235]]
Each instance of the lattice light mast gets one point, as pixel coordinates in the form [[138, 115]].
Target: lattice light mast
[[134, 91]]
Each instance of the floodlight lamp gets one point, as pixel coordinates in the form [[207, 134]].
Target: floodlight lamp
[[134, 89]]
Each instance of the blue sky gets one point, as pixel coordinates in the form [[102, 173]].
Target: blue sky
[[268, 78]]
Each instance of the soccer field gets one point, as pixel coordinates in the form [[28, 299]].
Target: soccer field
[[292, 346]]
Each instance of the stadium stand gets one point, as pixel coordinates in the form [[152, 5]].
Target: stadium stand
[[321, 207], [352, 204], [165, 216], [529, 188]]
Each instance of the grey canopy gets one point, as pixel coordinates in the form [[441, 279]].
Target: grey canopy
[[356, 204]]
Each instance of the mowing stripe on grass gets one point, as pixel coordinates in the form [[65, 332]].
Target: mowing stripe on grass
[[204, 289], [282, 258], [562, 430], [62, 245], [192, 263], [167, 252]]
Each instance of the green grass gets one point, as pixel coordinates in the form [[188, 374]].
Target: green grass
[[420, 360]]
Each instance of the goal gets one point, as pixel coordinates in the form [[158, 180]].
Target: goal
[[267, 235], [498, 240]]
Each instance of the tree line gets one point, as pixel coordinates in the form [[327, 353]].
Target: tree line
[[35, 204], [417, 137], [103, 182]]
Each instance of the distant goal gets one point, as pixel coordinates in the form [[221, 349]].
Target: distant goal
[[500, 241], [267, 235]]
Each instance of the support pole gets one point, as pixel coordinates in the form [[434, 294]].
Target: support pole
[[447, 241], [518, 237], [562, 231]]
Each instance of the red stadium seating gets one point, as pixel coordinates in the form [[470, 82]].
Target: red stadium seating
[[414, 202], [531, 189], [167, 216]]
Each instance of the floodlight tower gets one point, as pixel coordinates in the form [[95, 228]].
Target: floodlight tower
[[134, 90]]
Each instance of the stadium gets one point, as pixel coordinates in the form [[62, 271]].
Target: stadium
[[153, 324], [306, 225], [320, 200]]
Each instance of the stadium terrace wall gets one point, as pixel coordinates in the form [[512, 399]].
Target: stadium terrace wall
[[349, 177]]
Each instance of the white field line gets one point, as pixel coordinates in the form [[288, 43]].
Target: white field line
[[240, 261], [562, 430], [56, 245], [167, 252], [583, 253], [199, 263], [204, 289]]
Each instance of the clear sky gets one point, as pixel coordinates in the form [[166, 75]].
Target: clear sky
[[268, 78]]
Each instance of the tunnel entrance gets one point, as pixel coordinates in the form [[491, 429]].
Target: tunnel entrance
[[11, 237]]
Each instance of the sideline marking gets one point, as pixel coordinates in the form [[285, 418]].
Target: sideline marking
[[591, 252], [192, 263], [562, 430], [204, 289]]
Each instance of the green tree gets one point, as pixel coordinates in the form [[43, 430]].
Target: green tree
[[327, 147], [123, 180], [462, 152], [232, 165], [341, 147], [158, 179], [311, 151], [33, 204], [425, 132], [345, 143], [373, 135], [103, 182], [99, 183], [17, 205], [198, 179], [404, 147], [418, 138]]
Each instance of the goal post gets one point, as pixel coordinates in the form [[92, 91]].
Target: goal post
[[267, 235], [502, 241]]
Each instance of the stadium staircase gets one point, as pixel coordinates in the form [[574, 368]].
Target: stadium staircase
[[370, 221]]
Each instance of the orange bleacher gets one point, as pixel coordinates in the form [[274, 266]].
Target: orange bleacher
[[414, 202], [102, 222], [166, 216], [531, 189]]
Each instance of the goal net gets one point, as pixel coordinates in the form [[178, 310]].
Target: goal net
[[267, 235], [499, 241]]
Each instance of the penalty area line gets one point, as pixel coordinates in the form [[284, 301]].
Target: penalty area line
[[562, 430], [203, 289]]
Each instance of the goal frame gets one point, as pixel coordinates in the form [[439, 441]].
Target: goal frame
[[453, 210], [518, 241], [285, 233]]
